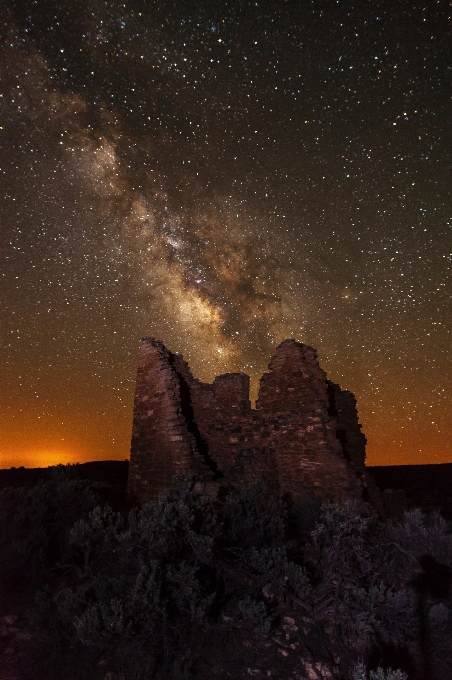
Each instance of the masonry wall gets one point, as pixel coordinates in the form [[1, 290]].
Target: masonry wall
[[161, 441], [303, 439], [293, 397]]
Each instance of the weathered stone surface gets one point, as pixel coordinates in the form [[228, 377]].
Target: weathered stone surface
[[303, 438], [161, 441]]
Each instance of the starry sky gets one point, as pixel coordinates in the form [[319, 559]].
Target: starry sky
[[222, 176]]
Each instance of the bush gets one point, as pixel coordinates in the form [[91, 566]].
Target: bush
[[35, 524], [419, 555], [416, 535], [155, 583], [351, 602], [159, 590], [359, 673]]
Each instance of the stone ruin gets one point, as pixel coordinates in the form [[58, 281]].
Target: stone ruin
[[303, 438]]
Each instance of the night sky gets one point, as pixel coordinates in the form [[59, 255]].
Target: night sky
[[222, 176]]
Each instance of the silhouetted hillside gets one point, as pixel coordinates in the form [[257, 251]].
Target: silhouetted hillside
[[425, 486], [109, 478]]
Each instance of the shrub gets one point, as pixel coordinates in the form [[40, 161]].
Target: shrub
[[360, 673], [157, 585], [154, 583], [35, 525], [350, 599]]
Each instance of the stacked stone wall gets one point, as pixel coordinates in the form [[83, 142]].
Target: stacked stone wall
[[161, 442], [293, 398], [302, 439]]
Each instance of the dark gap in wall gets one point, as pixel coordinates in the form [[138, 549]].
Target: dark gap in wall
[[189, 416], [332, 408], [342, 436]]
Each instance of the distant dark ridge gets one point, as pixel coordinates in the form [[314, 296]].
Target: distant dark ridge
[[113, 471], [425, 486], [109, 478]]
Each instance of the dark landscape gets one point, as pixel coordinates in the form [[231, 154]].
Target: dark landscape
[[428, 487], [255, 570]]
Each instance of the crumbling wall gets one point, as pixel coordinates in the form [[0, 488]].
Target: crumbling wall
[[161, 441], [293, 398], [220, 410], [302, 439]]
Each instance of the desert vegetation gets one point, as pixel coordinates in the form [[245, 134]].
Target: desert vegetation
[[241, 586]]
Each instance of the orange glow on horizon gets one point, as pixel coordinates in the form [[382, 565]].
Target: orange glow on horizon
[[41, 458], [413, 449]]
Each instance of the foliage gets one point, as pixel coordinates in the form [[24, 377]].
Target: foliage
[[350, 599], [419, 554], [416, 535], [35, 524], [155, 586], [360, 673], [154, 582]]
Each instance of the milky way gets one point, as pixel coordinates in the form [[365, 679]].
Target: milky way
[[223, 175]]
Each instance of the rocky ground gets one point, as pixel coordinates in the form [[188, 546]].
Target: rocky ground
[[12, 637]]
